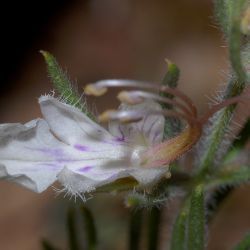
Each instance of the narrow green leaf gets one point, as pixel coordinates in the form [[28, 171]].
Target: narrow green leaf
[[154, 219], [244, 244], [230, 176], [135, 229], [63, 85], [171, 80], [72, 231], [214, 139], [178, 241], [196, 220], [46, 245], [90, 229]]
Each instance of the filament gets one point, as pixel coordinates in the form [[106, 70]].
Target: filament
[[135, 115], [135, 97], [100, 87]]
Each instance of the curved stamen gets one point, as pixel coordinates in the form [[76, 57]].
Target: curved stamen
[[169, 150], [124, 116], [101, 87], [136, 97], [135, 115]]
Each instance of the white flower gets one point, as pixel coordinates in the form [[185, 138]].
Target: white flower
[[69, 147], [83, 156]]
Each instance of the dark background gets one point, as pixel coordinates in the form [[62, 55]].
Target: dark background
[[23, 24]]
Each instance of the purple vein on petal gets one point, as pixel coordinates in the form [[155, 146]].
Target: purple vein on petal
[[82, 148], [119, 139], [85, 169], [151, 127], [56, 152]]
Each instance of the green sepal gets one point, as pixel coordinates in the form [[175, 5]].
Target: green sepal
[[63, 85], [156, 196], [119, 185], [170, 80]]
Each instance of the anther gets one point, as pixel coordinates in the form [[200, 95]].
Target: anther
[[127, 97], [136, 97], [92, 89], [121, 116], [107, 115]]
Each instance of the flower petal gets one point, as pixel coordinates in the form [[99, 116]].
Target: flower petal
[[83, 181], [22, 158], [88, 139], [148, 131], [70, 147], [88, 178], [150, 176], [70, 125], [31, 156]]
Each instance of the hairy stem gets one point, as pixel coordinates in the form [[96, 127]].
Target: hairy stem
[[235, 87]]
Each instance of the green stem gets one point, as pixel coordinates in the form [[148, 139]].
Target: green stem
[[90, 229], [154, 228], [72, 233], [135, 229]]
